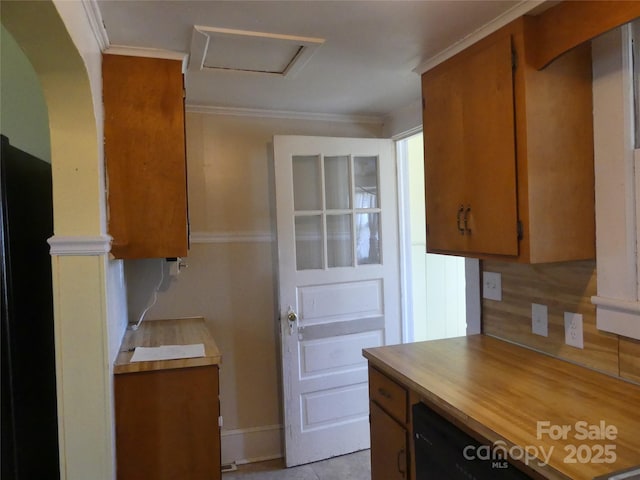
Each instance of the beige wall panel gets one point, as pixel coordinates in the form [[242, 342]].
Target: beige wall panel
[[232, 286], [563, 287], [229, 160], [233, 283]]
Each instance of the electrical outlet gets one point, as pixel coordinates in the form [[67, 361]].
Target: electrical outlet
[[492, 286], [539, 319], [573, 330]]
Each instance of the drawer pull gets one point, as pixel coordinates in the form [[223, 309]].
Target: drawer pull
[[401, 461], [384, 393]]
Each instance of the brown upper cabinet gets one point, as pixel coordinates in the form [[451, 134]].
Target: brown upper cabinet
[[145, 156], [509, 152]]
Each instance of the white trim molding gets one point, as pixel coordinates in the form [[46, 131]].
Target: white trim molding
[[618, 316], [150, 53], [95, 21], [80, 245], [248, 445], [522, 8], [231, 237], [616, 192], [626, 306], [284, 114]]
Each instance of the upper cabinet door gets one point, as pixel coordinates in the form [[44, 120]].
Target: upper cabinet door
[[444, 158], [145, 156], [509, 152], [470, 163]]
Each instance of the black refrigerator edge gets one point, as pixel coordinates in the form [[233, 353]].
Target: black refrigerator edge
[[29, 412]]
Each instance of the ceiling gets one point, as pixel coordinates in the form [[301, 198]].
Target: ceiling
[[365, 65]]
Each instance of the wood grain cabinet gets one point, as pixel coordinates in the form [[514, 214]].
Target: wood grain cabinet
[[509, 152], [389, 427], [145, 157], [167, 412]]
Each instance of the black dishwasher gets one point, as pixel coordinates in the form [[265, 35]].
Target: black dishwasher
[[444, 452]]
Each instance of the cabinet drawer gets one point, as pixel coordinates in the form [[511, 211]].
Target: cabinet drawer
[[388, 394]]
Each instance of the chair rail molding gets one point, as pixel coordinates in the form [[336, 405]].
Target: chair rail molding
[[231, 237], [79, 245]]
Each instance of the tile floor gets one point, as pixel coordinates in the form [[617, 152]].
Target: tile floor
[[355, 466]]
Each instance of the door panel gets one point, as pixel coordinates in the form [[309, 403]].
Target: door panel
[[334, 407], [338, 301], [346, 352], [337, 225]]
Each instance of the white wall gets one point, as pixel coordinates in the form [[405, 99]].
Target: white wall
[[231, 277], [438, 285]]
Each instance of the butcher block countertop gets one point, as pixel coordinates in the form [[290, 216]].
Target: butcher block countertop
[[528, 400], [156, 333]]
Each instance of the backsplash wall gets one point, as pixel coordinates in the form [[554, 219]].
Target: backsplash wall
[[563, 287]]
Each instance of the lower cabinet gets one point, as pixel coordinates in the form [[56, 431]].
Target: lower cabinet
[[389, 447], [390, 428], [167, 424]]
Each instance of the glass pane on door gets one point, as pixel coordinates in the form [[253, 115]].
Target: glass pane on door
[[368, 238], [339, 241], [366, 181], [337, 182], [307, 188], [309, 242]]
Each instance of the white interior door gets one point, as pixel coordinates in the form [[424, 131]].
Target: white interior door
[[339, 285]]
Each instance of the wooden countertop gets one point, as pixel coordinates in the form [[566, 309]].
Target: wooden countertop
[[501, 391], [155, 333]]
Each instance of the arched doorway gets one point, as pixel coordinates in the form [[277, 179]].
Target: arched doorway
[[57, 39]]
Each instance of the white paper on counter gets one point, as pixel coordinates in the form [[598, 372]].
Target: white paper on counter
[[167, 352]]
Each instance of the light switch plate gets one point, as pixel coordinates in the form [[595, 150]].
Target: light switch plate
[[540, 319], [492, 286], [573, 335]]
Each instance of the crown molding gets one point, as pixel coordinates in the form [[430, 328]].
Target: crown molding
[[283, 114], [515, 12], [79, 245], [149, 53], [231, 237], [95, 21]]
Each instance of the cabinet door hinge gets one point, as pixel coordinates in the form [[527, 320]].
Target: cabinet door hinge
[[520, 230], [220, 422]]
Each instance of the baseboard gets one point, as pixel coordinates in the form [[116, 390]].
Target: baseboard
[[248, 445]]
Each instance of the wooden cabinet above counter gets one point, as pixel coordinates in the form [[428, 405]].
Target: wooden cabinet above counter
[[145, 156], [509, 152], [499, 392]]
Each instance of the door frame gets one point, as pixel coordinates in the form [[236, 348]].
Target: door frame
[[382, 276], [472, 265]]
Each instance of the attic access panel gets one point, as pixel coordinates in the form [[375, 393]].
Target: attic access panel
[[224, 49]]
